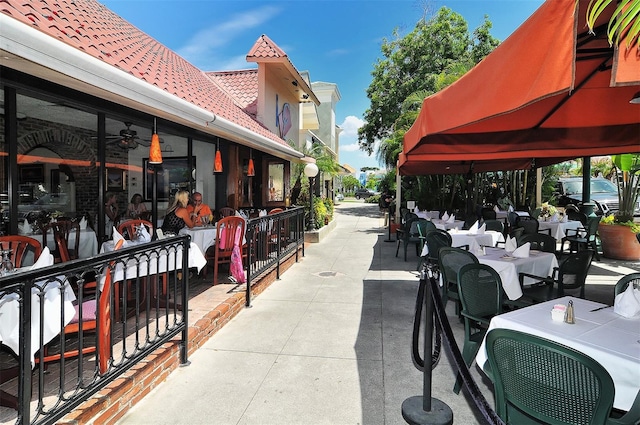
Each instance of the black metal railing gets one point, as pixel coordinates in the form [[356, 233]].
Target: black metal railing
[[40, 381], [149, 281], [271, 239]]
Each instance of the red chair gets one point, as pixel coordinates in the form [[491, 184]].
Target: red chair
[[128, 228], [64, 228], [20, 246], [90, 316], [229, 230]]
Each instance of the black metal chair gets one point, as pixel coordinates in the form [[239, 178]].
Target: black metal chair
[[586, 238], [570, 274]]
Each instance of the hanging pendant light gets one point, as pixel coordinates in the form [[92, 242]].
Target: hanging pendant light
[[251, 171], [155, 152], [217, 162]]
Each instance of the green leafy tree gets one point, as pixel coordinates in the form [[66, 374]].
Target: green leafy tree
[[350, 183], [624, 22]]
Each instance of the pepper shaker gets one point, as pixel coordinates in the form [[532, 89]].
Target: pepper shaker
[[569, 316]]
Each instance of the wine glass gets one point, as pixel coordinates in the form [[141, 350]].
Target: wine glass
[[205, 220], [6, 267]]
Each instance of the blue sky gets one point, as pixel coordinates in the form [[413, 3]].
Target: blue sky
[[336, 41]]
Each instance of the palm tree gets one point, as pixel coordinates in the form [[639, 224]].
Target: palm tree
[[324, 160], [624, 22]]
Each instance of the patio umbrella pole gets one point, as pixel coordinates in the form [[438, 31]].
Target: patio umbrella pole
[[426, 410]]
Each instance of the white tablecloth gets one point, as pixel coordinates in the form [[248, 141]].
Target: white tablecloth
[[430, 215], [444, 225], [88, 246], [474, 241], [204, 237], [165, 262], [559, 230], [610, 339], [538, 263], [55, 300]]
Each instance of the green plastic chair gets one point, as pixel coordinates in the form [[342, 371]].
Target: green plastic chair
[[540, 381], [436, 239], [450, 261], [539, 241], [571, 274], [480, 292], [630, 279], [412, 234], [586, 238]]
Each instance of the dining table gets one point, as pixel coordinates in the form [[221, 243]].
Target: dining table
[[608, 338], [508, 267], [558, 229], [448, 225], [203, 236], [474, 241]]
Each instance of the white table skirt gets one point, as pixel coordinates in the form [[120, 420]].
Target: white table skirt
[[204, 237], [88, 245], [155, 264], [559, 230], [55, 301], [538, 263], [608, 338]]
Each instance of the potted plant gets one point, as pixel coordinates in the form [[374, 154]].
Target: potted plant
[[618, 230]]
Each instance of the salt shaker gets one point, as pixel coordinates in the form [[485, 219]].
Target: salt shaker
[[569, 316]]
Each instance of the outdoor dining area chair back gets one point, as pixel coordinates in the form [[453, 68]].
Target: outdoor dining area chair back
[[128, 228], [435, 240], [495, 225], [622, 284], [536, 380], [480, 291], [68, 230], [450, 261], [411, 234], [226, 212], [571, 274], [538, 241], [20, 246], [586, 238], [229, 231]]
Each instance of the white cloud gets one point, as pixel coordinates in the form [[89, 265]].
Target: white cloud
[[351, 147], [350, 126], [204, 42]]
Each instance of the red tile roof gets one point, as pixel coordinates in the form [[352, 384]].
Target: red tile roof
[[241, 86], [265, 48], [92, 28]]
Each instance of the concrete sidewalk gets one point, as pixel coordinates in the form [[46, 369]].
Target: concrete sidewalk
[[330, 343]]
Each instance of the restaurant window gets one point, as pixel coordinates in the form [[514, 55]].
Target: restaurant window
[[57, 160]]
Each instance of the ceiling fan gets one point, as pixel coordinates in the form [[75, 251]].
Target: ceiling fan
[[128, 138]]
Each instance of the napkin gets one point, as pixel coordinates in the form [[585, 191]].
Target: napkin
[[482, 229], [510, 208], [262, 213], [510, 245], [451, 219], [44, 260], [565, 219], [627, 303], [117, 236], [144, 235], [473, 229], [25, 228], [554, 218], [83, 223], [522, 251], [160, 234], [496, 208], [445, 216]]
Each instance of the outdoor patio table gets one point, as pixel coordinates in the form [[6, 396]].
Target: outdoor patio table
[[88, 245], [559, 230], [430, 215], [608, 338], [444, 225], [204, 236], [474, 241], [538, 263]]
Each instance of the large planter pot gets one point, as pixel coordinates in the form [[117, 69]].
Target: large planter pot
[[619, 242]]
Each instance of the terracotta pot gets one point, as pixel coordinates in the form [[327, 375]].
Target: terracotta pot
[[619, 242]]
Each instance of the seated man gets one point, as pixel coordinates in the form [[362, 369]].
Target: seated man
[[197, 209]]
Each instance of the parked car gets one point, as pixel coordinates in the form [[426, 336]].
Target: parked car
[[339, 197], [363, 193], [604, 194]]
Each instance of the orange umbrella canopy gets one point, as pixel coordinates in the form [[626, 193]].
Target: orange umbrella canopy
[[550, 92]]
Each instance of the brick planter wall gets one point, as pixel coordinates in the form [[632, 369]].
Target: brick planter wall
[[110, 404]]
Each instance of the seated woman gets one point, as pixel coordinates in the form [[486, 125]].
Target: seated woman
[[136, 207], [177, 215]]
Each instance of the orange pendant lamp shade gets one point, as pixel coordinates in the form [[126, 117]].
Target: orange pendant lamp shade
[[251, 171], [217, 162], [155, 153]]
